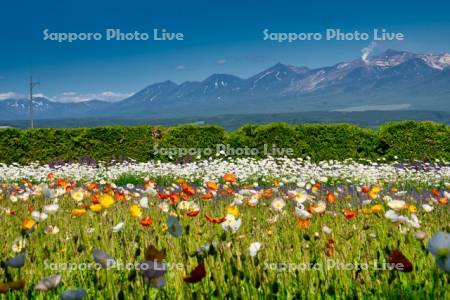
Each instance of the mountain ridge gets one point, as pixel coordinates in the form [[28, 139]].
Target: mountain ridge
[[393, 77]]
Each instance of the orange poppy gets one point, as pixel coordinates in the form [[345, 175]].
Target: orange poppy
[[211, 186], [228, 177], [443, 200], [148, 184], [215, 220], [349, 214], [302, 223], [120, 196], [267, 194], [229, 191], [331, 198], [207, 196], [28, 223], [50, 176], [91, 186]]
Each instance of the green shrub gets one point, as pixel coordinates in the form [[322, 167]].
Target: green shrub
[[337, 141], [407, 140], [410, 140]]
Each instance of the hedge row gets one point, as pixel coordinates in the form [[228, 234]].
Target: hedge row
[[406, 140]]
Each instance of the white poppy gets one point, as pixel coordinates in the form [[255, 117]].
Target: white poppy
[[254, 248], [38, 216], [118, 227]]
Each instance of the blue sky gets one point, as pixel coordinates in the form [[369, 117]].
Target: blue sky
[[220, 37]]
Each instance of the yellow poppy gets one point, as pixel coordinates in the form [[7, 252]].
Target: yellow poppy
[[412, 208], [376, 189], [106, 200], [96, 208], [377, 208], [372, 194], [366, 210], [233, 210], [135, 211], [78, 212]]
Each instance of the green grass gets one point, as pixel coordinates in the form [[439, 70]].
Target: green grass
[[231, 273]]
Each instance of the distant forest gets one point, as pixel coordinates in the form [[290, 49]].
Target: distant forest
[[370, 119]]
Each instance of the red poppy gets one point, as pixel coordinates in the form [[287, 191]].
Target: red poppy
[[215, 220], [365, 189], [435, 192], [193, 213], [50, 176], [163, 196], [152, 253], [329, 248], [188, 189], [196, 275], [146, 221], [95, 199], [61, 182], [349, 214], [175, 198], [399, 262], [12, 286], [107, 190], [31, 208]]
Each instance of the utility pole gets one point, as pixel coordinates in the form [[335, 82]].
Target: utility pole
[[32, 85]]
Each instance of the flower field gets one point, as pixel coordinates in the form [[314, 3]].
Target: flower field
[[226, 229]]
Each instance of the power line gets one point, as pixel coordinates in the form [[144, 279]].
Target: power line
[[32, 85]]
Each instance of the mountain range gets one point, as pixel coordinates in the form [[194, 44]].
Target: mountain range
[[392, 80]]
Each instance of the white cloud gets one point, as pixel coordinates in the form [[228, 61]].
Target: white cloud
[[76, 97], [9, 95], [39, 95], [180, 68], [221, 61]]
